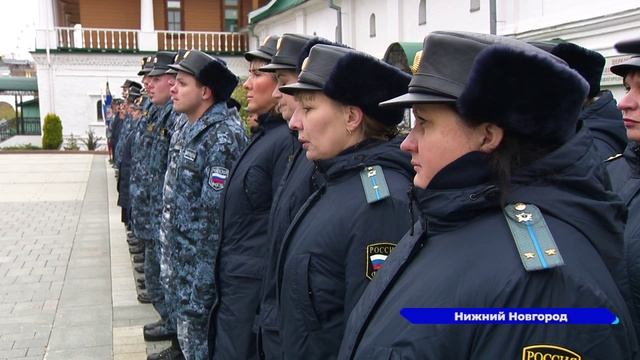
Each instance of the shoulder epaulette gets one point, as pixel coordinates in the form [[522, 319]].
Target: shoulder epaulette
[[614, 157], [374, 184], [535, 243]]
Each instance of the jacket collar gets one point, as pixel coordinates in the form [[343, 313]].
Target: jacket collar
[[632, 157]]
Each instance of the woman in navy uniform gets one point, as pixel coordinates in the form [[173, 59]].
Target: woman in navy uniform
[[625, 168], [514, 213], [340, 236], [244, 245]]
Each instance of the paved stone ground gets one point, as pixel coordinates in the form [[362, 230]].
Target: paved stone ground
[[67, 288]]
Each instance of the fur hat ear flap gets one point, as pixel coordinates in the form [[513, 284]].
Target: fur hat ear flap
[[587, 63], [364, 81], [527, 93], [216, 76], [304, 53]]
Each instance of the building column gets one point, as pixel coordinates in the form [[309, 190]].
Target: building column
[[45, 34], [147, 40], [393, 22]]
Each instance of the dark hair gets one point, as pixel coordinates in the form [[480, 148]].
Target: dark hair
[[376, 130], [514, 152]]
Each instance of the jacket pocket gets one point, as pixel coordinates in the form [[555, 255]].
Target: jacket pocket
[[241, 266], [302, 293], [257, 188]]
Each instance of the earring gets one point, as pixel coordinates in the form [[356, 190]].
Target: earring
[[348, 131]]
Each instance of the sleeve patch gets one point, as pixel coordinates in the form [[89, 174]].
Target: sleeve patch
[[218, 177], [376, 256], [548, 352]]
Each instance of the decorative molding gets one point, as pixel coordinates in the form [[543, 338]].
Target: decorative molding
[[620, 21], [90, 60]]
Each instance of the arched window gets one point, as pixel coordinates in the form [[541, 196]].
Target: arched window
[[372, 25], [422, 12], [99, 110], [474, 5]]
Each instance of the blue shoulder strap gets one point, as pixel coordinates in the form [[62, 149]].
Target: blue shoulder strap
[[374, 184], [535, 243]]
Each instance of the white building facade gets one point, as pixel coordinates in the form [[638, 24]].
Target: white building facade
[[372, 25], [74, 64]]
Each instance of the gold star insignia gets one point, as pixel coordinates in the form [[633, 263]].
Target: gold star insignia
[[550, 252], [529, 255]]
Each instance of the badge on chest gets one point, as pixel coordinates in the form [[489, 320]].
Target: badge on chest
[[190, 155]]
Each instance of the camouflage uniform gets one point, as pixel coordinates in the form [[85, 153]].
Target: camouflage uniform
[[140, 174], [200, 157], [158, 155], [128, 125]]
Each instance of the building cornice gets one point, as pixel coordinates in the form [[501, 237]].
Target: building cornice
[[620, 21]]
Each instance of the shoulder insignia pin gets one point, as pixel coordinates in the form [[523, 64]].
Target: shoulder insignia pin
[[374, 184], [614, 157], [534, 241]]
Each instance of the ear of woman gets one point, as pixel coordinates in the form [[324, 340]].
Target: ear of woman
[[354, 117], [491, 137]]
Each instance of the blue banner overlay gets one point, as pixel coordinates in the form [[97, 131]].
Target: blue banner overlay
[[591, 316]]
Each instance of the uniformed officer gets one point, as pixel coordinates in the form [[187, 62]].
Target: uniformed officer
[[599, 112], [158, 91], [200, 157], [162, 132], [146, 106], [515, 213], [133, 92], [341, 235], [624, 169], [160, 82], [247, 199], [116, 126], [125, 155], [294, 189]]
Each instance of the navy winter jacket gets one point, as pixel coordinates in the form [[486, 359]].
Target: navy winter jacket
[[625, 178], [462, 254], [241, 256], [335, 244], [297, 184], [604, 120]]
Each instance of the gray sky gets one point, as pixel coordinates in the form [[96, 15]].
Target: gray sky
[[17, 24]]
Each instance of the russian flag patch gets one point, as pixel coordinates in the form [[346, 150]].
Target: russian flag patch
[[218, 177], [376, 256]]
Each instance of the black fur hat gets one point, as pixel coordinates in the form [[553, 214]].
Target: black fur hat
[[588, 63], [311, 43], [217, 76], [525, 93], [364, 81], [210, 71]]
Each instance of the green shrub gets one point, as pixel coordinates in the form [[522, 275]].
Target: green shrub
[[72, 143], [52, 132], [92, 141], [240, 94]]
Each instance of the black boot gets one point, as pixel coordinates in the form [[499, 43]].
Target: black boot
[[138, 258], [171, 353], [158, 332], [144, 298], [138, 249]]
